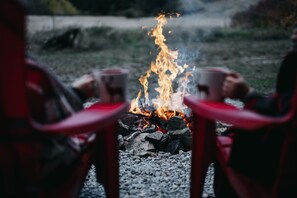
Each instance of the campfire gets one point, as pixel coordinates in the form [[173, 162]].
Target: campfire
[[159, 124]]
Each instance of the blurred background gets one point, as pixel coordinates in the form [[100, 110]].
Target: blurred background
[[263, 12]]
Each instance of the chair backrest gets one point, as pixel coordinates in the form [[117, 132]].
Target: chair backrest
[[294, 98], [49, 100], [16, 153], [13, 101], [286, 183]]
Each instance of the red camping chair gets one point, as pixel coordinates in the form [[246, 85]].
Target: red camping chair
[[208, 147], [20, 169]]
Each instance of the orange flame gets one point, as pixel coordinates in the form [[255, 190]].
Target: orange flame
[[165, 66]]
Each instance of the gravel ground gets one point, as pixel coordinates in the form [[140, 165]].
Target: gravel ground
[[163, 175]]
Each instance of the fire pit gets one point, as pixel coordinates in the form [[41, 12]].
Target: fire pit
[[159, 124], [147, 135]]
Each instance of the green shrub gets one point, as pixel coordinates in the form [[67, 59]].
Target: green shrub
[[129, 8], [37, 7], [60, 7], [45, 7]]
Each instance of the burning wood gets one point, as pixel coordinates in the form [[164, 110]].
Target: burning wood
[[158, 135], [159, 124], [168, 102]]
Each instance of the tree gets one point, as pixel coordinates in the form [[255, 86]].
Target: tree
[[51, 7], [120, 7], [97, 7], [60, 7], [37, 7]]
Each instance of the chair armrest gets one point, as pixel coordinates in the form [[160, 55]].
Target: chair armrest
[[90, 119], [220, 111]]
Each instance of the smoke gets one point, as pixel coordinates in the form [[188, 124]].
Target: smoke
[[190, 6], [188, 56]]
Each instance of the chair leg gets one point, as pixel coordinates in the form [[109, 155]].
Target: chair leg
[[222, 187], [112, 162], [107, 161], [202, 153]]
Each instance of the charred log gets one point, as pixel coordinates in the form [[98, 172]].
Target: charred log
[[67, 39], [144, 135]]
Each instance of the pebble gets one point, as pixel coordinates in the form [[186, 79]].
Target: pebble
[[164, 175]]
